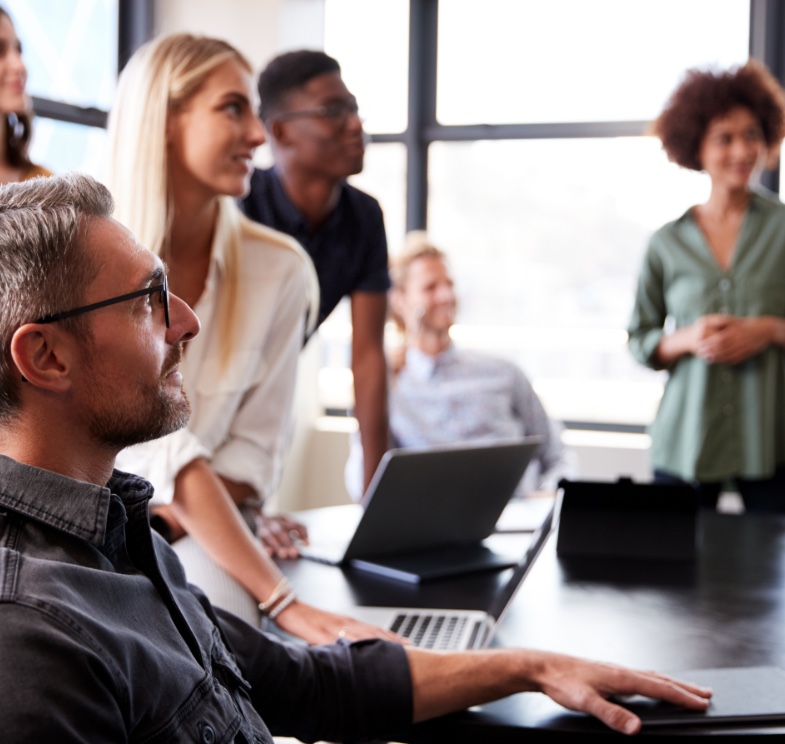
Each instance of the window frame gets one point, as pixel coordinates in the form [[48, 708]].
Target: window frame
[[766, 43], [135, 27]]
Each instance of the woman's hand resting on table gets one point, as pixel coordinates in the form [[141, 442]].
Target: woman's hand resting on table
[[319, 626]]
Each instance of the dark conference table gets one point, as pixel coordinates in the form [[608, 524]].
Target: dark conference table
[[726, 610]]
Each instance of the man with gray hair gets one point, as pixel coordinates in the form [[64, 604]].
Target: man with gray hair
[[102, 638]]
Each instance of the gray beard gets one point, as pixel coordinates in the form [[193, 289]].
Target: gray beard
[[119, 429]]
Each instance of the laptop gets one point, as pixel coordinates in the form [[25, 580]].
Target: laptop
[[428, 511], [457, 629]]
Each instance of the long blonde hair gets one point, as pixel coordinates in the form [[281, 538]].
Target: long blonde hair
[[159, 79]]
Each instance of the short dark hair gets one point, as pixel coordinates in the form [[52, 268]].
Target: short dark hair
[[288, 72], [44, 267], [703, 95]]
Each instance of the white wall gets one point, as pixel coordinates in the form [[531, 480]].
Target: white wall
[[258, 28]]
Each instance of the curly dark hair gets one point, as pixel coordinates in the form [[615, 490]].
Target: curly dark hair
[[704, 95]]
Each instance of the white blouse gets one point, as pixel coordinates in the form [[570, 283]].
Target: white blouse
[[241, 411]]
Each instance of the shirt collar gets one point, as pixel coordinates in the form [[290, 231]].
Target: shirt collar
[[292, 219], [77, 508], [422, 366]]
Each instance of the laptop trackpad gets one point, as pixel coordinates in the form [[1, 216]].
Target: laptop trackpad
[[426, 565]]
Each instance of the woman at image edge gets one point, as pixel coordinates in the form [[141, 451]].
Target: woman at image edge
[[717, 273], [15, 124], [182, 133]]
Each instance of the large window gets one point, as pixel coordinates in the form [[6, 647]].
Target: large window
[[70, 50], [577, 61], [73, 50], [527, 159]]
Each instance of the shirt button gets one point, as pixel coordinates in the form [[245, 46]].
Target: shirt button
[[727, 376], [208, 735], [724, 284], [727, 409]]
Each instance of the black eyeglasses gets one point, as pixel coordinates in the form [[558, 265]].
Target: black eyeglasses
[[338, 113], [161, 288]]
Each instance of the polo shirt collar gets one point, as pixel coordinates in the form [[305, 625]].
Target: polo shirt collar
[[293, 221]]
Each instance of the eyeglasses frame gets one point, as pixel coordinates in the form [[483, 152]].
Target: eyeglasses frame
[[320, 112], [163, 288]]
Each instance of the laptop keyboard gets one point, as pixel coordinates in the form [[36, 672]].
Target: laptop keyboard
[[429, 631]]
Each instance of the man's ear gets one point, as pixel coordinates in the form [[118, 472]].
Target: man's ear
[[276, 131], [43, 356], [772, 156]]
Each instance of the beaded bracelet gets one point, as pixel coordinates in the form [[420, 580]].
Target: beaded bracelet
[[282, 605], [281, 589]]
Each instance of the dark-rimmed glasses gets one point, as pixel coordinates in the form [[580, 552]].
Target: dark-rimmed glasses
[[161, 288], [338, 113]]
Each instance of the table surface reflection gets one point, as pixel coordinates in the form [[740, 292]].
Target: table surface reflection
[[727, 609]]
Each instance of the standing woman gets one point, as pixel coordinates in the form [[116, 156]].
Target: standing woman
[[15, 128], [717, 274], [182, 134]]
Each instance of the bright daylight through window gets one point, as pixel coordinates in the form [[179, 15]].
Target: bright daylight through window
[[70, 50], [545, 234]]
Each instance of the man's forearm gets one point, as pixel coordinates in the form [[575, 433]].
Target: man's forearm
[[369, 368], [444, 683]]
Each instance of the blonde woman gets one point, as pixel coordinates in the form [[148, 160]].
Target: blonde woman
[[182, 133]]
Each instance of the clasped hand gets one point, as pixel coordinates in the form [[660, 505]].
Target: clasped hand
[[728, 339]]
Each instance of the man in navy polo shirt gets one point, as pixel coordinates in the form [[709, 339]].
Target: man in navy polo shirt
[[317, 141]]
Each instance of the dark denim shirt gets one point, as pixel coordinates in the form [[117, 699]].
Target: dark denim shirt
[[102, 639], [349, 250]]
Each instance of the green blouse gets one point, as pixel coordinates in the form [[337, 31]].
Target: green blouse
[[715, 421]]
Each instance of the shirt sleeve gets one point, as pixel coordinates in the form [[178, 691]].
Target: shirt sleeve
[[553, 459], [350, 691], [376, 276], [648, 315], [56, 687], [254, 448], [161, 460]]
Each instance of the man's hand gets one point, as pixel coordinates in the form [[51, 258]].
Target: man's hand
[[586, 686], [447, 682], [319, 626]]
